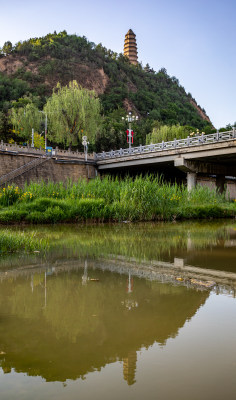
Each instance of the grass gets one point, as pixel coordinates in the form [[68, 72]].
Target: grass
[[110, 199], [11, 242]]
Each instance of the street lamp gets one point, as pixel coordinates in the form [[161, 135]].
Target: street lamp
[[130, 118]]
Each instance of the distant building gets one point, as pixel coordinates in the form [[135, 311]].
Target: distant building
[[130, 47]]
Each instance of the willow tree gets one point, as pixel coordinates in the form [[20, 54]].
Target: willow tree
[[26, 118], [72, 112]]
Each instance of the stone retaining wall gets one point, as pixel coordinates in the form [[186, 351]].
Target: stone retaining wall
[[52, 170]]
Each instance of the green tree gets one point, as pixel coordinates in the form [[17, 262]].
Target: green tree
[[72, 113], [39, 141], [7, 48], [24, 119], [166, 133]]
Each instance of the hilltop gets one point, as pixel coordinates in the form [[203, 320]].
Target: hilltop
[[34, 67]]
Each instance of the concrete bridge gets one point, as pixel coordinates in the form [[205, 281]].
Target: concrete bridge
[[196, 157], [204, 159]]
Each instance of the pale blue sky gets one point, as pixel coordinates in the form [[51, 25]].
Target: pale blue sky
[[193, 39]]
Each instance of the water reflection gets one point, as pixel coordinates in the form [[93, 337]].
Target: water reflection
[[62, 325], [103, 293], [201, 244]]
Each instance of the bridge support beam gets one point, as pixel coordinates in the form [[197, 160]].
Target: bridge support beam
[[201, 167], [194, 167], [191, 180]]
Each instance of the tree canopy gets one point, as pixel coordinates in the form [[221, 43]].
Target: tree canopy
[[26, 118], [72, 112]]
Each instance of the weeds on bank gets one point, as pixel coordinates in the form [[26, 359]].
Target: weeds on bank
[[143, 198], [18, 241]]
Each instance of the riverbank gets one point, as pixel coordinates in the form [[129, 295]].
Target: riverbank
[[110, 199]]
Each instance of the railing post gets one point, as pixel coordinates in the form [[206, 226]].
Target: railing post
[[217, 135], [234, 133], [175, 143], [162, 144], [188, 141]]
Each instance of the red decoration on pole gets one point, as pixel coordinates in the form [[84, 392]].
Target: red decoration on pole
[[130, 136]]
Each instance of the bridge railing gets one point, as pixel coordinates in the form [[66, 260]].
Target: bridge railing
[[171, 145], [20, 149]]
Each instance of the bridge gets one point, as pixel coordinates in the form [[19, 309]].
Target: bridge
[[209, 155], [202, 159]]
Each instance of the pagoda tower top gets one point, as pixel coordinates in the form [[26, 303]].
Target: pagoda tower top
[[130, 47]]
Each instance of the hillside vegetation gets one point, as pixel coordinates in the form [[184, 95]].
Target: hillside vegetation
[[34, 67]]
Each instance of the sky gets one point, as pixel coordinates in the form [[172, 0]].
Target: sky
[[195, 40]]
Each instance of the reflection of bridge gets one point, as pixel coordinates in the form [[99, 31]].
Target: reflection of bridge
[[207, 155], [165, 272]]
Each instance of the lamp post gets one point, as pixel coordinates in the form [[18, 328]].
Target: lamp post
[[130, 118]]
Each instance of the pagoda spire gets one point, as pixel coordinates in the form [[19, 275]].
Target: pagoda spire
[[130, 47]]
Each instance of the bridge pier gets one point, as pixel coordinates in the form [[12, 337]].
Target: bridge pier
[[191, 180]]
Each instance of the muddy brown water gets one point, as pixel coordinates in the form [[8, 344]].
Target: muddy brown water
[[121, 311]]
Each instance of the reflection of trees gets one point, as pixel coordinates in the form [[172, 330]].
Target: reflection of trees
[[142, 241], [85, 327]]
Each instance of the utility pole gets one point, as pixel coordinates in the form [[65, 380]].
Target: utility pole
[[32, 143], [46, 128]]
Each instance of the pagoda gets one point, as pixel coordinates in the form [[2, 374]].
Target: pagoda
[[130, 47]]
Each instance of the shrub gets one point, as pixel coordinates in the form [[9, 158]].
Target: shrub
[[204, 211], [88, 209], [12, 216], [51, 215], [9, 195]]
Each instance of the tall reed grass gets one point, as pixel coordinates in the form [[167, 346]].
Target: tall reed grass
[[142, 198]]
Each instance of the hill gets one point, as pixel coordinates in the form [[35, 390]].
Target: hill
[[34, 67]]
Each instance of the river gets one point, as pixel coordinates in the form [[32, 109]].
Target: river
[[117, 311]]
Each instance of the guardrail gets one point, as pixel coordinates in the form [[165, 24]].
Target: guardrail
[[15, 148], [171, 145]]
